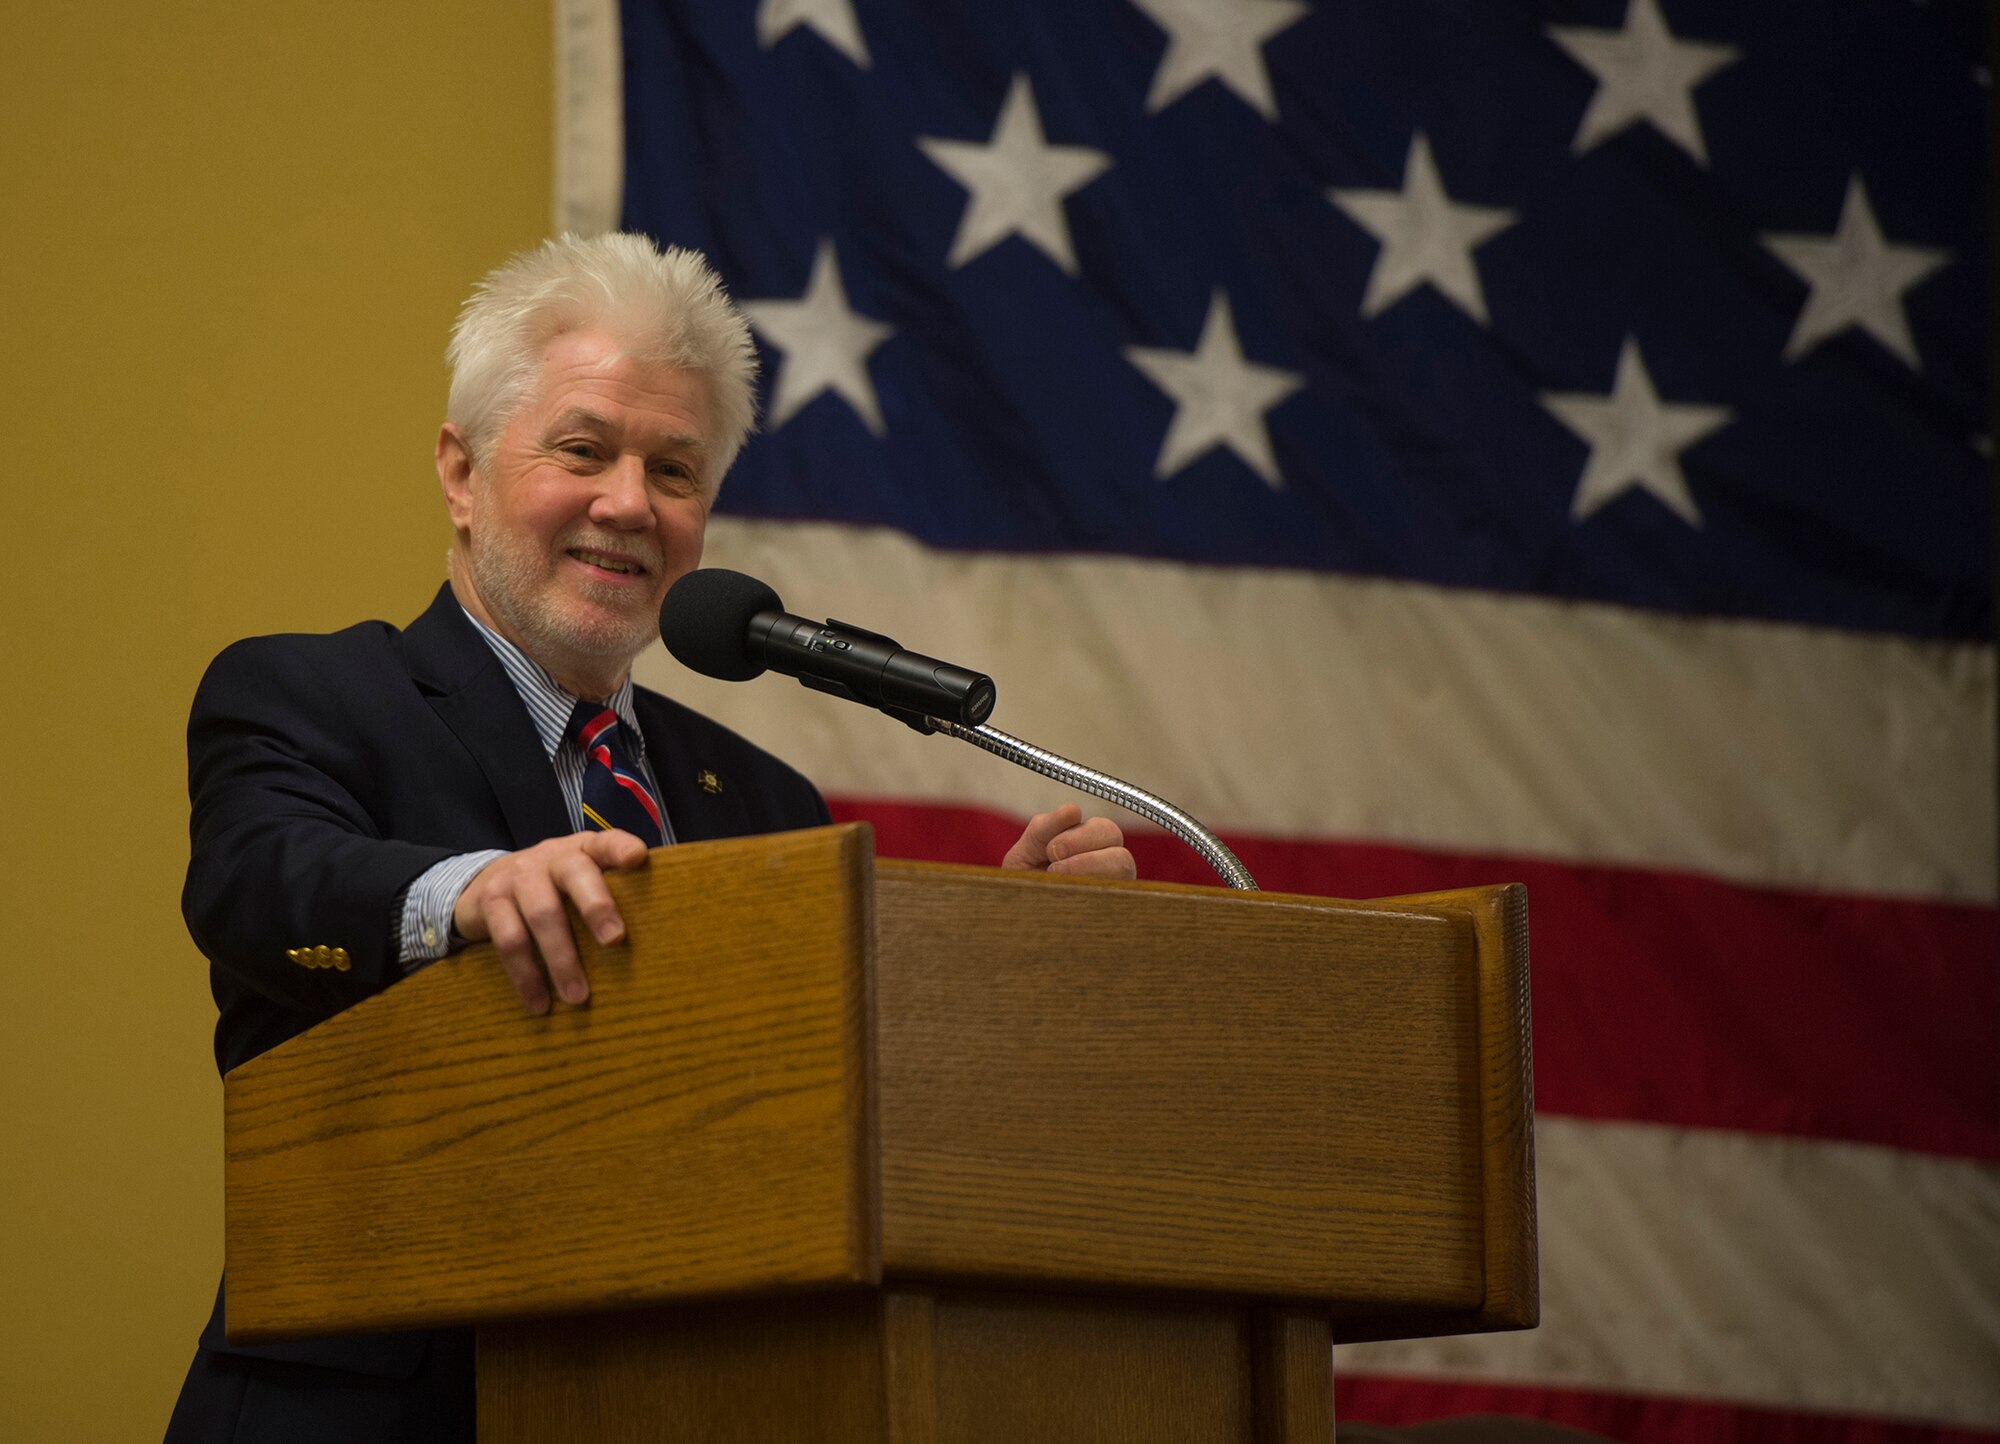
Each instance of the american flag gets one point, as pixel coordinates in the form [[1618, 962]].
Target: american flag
[[1437, 443]]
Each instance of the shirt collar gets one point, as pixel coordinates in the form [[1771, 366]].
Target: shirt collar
[[549, 705]]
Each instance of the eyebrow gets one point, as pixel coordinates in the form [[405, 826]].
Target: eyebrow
[[578, 418]]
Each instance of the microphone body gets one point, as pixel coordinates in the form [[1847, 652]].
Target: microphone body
[[867, 667], [724, 624]]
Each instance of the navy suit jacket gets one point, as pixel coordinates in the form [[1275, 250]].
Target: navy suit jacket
[[326, 774]]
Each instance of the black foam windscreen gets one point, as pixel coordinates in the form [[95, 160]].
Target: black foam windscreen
[[704, 619]]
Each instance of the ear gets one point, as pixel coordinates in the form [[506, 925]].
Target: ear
[[455, 469]]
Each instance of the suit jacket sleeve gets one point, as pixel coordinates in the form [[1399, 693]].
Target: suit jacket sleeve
[[286, 850]]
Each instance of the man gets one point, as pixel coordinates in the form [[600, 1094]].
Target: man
[[368, 801]]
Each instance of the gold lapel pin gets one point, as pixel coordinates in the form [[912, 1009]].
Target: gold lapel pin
[[709, 782]]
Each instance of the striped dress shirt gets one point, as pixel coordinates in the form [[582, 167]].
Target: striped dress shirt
[[424, 931]]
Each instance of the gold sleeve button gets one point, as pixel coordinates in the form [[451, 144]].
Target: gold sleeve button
[[321, 957]]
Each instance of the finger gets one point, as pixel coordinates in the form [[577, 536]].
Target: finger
[[1102, 862], [542, 909], [517, 954], [614, 849], [1033, 848], [581, 880], [1098, 832]]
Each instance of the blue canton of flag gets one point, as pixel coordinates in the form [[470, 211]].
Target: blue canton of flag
[[1551, 298]]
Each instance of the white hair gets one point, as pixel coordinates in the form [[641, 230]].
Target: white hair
[[661, 306]]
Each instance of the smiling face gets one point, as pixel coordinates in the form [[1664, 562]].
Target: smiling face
[[590, 505]]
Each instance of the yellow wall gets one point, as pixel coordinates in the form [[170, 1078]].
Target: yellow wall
[[232, 237]]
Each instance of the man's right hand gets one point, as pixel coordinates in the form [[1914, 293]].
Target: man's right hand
[[517, 901]]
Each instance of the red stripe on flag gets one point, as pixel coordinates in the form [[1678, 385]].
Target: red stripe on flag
[[1629, 1418], [1666, 998]]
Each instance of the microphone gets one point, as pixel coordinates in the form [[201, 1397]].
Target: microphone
[[723, 624], [726, 625]]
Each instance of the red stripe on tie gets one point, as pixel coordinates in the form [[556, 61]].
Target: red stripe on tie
[[594, 728], [645, 798]]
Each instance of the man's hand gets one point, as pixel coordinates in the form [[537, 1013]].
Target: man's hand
[[1062, 842], [517, 901]]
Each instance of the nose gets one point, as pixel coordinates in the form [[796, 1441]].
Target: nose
[[622, 499]]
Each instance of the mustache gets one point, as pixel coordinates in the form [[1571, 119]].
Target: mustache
[[641, 549]]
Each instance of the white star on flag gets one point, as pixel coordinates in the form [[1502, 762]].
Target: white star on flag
[[826, 345], [1219, 397], [1219, 38], [1858, 278], [1636, 439], [1643, 73], [833, 19], [1425, 236], [1018, 181]]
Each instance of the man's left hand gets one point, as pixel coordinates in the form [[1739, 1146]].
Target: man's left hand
[[1062, 842]]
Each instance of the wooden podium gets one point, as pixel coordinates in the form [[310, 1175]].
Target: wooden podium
[[844, 1150]]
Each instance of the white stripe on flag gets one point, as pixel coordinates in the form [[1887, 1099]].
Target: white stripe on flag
[[589, 151], [1295, 704], [1776, 1272]]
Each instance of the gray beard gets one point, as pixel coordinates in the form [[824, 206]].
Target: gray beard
[[505, 578]]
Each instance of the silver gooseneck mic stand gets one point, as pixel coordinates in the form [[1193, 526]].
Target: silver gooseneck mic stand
[[1101, 784]]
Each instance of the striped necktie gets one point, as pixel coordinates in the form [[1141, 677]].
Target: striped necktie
[[614, 794]]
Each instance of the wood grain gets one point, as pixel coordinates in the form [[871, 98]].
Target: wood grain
[[913, 1367], [805, 1371], [703, 1126], [1180, 1089], [1499, 917], [1059, 1369], [1033, 1086], [1291, 1367], [909, 1366]]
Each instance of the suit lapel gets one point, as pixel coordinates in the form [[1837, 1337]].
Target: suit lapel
[[698, 812], [470, 692]]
